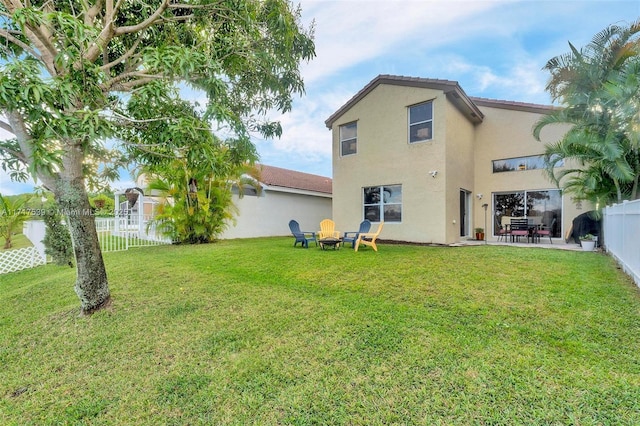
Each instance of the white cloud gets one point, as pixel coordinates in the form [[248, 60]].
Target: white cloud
[[494, 49], [523, 81], [350, 32]]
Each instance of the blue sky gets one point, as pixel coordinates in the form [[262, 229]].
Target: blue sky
[[493, 49]]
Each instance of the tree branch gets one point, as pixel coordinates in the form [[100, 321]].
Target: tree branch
[[17, 154], [138, 78], [40, 37], [122, 58], [10, 38], [6, 126], [91, 12], [103, 39], [19, 128], [144, 24]]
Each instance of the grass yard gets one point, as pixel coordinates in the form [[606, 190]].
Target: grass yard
[[17, 241], [257, 332]]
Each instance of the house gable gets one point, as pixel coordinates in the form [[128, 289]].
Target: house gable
[[451, 89]]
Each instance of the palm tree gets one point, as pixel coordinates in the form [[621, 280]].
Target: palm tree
[[598, 89], [12, 215]]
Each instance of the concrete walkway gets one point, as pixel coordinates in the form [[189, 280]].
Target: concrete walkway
[[557, 244]]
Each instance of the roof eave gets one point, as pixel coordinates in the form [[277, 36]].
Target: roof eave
[[276, 188], [451, 89], [515, 106]]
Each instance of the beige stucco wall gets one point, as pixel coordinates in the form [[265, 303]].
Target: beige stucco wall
[[269, 214], [507, 133], [459, 172], [461, 151], [384, 157]]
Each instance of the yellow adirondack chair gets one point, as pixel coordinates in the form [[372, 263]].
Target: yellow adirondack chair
[[328, 230], [369, 238]]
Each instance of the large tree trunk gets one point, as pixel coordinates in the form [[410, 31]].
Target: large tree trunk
[[91, 283], [68, 187]]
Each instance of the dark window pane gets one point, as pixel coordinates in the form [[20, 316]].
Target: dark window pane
[[392, 194], [421, 132], [348, 131], [532, 162], [372, 195], [372, 213], [349, 147], [422, 112], [393, 213]]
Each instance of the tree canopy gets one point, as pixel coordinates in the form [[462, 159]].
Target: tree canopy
[[76, 74], [599, 91]]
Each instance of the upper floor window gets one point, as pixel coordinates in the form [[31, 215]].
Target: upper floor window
[[421, 122], [531, 162], [383, 203], [349, 138]]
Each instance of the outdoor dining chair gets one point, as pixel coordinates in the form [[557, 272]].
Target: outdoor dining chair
[[519, 228], [546, 231], [502, 231]]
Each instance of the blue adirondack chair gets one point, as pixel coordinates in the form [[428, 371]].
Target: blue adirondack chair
[[301, 236], [352, 236]]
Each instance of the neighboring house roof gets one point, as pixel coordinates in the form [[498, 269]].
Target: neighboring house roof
[[291, 179], [466, 104]]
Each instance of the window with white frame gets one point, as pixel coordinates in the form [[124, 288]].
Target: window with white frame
[[349, 138], [383, 203], [421, 122]]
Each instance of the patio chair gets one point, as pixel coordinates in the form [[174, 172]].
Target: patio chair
[[519, 228], [369, 238], [352, 236], [502, 231], [301, 236], [546, 231], [328, 230]]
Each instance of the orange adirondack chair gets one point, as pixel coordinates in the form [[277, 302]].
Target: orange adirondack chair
[[369, 238]]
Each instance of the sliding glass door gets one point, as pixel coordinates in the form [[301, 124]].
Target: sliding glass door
[[542, 207]]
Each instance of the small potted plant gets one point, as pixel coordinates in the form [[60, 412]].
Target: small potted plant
[[479, 233], [588, 242]]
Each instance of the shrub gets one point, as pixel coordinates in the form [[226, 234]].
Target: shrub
[[57, 239]]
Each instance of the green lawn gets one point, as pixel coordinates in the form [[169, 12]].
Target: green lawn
[[257, 332], [17, 241]]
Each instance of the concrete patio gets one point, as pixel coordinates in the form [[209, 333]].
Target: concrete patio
[[557, 244]]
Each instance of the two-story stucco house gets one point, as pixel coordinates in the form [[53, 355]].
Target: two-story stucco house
[[422, 156]]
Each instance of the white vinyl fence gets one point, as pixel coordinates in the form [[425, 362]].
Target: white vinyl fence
[[114, 233], [621, 226]]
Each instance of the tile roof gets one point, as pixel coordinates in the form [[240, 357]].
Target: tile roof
[[285, 178], [451, 88], [518, 106], [468, 105]]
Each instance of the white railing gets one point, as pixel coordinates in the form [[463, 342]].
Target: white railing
[[19, 259], [120, 233], [114, 234], [621, 226]]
